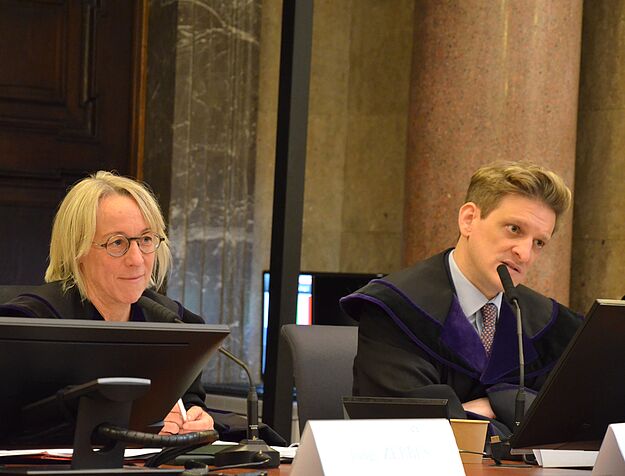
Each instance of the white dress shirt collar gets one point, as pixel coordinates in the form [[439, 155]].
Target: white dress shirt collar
[[471, 299]]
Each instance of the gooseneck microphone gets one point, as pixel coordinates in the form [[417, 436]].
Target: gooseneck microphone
[[512, 296], [158, 312], [251, 451], [252, 396]]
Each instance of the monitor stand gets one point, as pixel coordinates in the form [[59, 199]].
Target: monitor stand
[[106, 400]]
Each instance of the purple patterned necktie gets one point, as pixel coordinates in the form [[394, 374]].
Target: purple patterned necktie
[[489, 317]]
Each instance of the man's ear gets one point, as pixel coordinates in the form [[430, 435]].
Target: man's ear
[[468, 213]]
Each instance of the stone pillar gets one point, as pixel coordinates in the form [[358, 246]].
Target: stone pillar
[[358, 110], [599, 231], [214, 148], [491, 81]]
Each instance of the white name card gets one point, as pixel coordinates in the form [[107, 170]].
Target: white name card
[[363, 447], [565, 458], [610, 461]]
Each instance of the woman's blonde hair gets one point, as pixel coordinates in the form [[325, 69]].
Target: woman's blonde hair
[[490, 183], [75, 224]]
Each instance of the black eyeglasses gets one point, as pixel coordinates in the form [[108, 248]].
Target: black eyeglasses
[[118, 245]]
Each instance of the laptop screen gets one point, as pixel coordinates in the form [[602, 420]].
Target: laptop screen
[[585, 391], [358, 408]]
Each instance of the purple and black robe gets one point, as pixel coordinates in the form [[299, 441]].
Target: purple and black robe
[[415, 341]]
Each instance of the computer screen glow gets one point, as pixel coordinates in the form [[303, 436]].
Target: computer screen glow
[[304, 306]]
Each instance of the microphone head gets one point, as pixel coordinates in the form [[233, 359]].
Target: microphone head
[[508, 287], [158, 311]]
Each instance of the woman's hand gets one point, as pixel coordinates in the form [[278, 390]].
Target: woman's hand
[[197, 420]]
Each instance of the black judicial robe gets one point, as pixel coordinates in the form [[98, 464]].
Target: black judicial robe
[[415, 341], [49, 301]]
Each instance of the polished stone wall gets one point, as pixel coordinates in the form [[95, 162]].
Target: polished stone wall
[[377, 121], [211, 212], [359, 86], [598, 267], [222, 145], [485, 84], [490, 84]]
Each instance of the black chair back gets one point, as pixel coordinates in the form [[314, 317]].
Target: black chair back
[[322, 359]]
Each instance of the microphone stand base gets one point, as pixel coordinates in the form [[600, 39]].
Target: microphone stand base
[[248, 451], [500, 450]]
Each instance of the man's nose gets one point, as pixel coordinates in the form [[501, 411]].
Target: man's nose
[[523, 250]]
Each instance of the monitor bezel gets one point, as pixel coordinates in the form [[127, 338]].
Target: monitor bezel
[[171, 355], [576, 403]]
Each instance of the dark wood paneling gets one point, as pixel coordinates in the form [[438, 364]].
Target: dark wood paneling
[[36, 33], [27, 209], [70, 86]]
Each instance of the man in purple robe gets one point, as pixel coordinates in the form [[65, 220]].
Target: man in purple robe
[[441, 328]]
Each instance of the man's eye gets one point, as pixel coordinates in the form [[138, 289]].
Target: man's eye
[[514, 228], [540, 243]]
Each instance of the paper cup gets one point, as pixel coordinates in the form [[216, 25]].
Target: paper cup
[[470, 436]]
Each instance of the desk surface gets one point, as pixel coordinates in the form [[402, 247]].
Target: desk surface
[[487, 468]]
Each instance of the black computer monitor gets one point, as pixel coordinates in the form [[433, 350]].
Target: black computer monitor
[[39, 357], [585, 391]]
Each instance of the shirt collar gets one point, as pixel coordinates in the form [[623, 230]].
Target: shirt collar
[[471, 299]]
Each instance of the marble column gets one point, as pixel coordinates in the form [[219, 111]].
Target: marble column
[[358, 110], [214, 147], [491, 81], [599, 230]]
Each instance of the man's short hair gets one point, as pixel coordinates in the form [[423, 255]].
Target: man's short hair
[[75, 225], [490, 183]]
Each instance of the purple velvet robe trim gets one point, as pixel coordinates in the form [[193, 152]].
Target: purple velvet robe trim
[[506, 358], [460, 336], [409, 333], [18, 309], [405, 298], [180, 309], [505, 354], [554, 315]]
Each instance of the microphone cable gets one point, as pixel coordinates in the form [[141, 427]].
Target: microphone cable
[[117, 433], [176, 445], [169, 454]]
